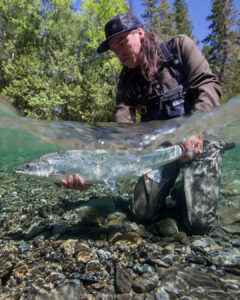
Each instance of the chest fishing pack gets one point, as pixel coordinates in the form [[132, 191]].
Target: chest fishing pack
[[159, 105]]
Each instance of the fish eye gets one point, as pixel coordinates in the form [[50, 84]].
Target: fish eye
[[27, 166]]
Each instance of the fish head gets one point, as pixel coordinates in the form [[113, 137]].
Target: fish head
[[38, 167]]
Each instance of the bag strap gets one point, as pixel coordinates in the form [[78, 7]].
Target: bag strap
[[171, 62]]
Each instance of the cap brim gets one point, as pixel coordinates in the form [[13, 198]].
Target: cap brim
[[104, 46]]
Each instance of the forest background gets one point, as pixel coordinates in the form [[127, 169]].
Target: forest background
[[49, 67]]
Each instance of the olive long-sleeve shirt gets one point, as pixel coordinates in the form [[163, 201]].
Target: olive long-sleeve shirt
[[203, 88]]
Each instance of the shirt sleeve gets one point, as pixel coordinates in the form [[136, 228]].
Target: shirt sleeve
[[124, 112], [203, 86]]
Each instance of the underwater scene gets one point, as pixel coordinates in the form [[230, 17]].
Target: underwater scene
[[57, 243]]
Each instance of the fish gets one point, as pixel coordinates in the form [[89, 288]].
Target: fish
[[99, 165]]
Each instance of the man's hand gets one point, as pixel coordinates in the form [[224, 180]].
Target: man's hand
[[75, 182], [194, 145]]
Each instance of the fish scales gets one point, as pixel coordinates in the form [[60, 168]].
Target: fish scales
[[98, 165]]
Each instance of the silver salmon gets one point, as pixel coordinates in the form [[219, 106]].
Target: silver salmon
[[99, 165]]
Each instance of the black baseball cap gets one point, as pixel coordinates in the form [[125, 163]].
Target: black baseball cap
[[119, 24]]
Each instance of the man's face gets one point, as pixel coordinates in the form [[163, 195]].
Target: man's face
[[127, 47]]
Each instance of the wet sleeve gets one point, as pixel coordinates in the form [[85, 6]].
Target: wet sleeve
[[204, 87]]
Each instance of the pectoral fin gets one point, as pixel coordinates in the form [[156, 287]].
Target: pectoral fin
[[111, 184], [155, 175]]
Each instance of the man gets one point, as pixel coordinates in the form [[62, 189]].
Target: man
[[163, 81]]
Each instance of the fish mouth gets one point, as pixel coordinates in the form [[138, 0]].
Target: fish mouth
[[20, 170]]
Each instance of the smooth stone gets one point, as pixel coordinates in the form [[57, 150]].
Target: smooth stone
[[168, 249], [195, 266], [143, 268], [114, 236], [54, 276], [181, 237], [124, 297], [225, 244], [203, 242], [123, 280], [145, 283], [133, 226], [138, 297], [143, 232], [24, 247], [34, 231], [168, 259], [115, 215], [115, 223], [235, 242], [83, 252], [68, 247], [158, 262], [131, 239], [167, 226], [215, 247], [59, 228], [196, 259], [98, 285], [228, 214], [94, 267], [233, 228], [162, 296]]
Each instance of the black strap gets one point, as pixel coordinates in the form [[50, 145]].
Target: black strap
[[165, 52], [171, 62]]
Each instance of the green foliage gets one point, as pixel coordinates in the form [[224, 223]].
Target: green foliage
[[100, 72], [223, 46], [48, 64]]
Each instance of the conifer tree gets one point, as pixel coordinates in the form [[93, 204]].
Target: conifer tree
[[164, 21], [223, 47], [149, 13], [182, 21], [159, 18]]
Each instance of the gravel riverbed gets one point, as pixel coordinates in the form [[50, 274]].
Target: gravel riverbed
[[61, 244]]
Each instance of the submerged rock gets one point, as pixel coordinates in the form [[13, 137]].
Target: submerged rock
[[228, 214], [70, 289], [191, 282], [145, 283], [228, 257], [167, 227], [123, 280]]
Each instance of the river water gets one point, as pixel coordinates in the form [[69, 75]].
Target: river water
[[36, 216]]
